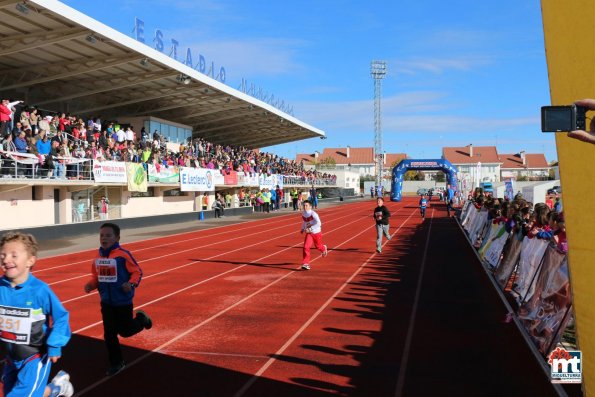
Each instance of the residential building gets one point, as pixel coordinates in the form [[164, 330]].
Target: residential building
[[524, 165], [360, 160], [474, 163]]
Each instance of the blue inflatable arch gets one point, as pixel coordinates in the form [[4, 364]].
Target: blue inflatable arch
[[421, 165]]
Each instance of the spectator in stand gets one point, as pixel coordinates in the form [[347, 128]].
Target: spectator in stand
[[130, 135], [21, 143], [34, 119], [16, 130], [5, 117], [43, 145], [8, 143], [59, 137], [120, 136], [24, 118]]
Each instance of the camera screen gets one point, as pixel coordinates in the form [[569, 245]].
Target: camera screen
[[556, 118]]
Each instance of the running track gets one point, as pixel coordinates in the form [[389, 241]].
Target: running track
[[234, 317]]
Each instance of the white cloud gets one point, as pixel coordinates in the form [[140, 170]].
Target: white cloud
[[438, 65]]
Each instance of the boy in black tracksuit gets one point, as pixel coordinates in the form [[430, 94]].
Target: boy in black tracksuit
[[381, 215]]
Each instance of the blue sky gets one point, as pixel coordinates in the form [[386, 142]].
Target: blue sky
[[459, 72]]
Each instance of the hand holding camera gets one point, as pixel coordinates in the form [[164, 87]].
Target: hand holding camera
[[571, 119]]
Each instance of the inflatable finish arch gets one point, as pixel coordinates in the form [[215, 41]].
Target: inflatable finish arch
[[421, 165]]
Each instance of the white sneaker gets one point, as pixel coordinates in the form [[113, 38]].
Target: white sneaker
[[61, 386], [305, 266], [325, 252]]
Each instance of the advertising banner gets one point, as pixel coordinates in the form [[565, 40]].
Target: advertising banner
[[247, 179], [543, 314], [109, 171], [531, 254], [230, 179], [197, 180], [218, 178], [169, 174], [270, 181], [137, 177], [493, 248], [509, 189]]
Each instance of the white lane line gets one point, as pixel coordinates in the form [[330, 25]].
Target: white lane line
[[213, 317], [202, 260], [272, 360], [405, 357], [210, 278], [130, 246]]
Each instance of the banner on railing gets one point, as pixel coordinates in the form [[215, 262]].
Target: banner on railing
[[247, 179], [137, 177], [492, 250], [197, 179], [109, 171], [230, 179], [170, 174], [546, 313], [270, 181], [531, 254]]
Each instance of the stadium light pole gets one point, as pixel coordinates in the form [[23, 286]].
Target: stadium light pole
[[378, 71]]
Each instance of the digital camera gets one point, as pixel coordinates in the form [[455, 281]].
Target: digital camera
[[563, 118]]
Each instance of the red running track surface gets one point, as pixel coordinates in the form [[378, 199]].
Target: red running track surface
[[233, 315]]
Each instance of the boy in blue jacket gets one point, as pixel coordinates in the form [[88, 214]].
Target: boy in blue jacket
[[116, 275], [33, 323]]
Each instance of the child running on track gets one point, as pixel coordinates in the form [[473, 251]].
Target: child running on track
[[423, 204], [381, 215], [311, 225], [33, 323], [116, 274]]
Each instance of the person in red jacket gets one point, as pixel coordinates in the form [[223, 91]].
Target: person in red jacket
[[4, 117], [116, 275]]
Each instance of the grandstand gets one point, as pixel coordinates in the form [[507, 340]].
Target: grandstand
[[57, 59]]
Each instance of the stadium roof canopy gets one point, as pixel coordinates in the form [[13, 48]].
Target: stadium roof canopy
[[54, 57]]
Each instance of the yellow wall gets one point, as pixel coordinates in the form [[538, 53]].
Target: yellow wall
[[570, 50]]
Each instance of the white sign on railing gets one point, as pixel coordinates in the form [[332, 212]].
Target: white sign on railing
[[109, 171], [197, 180]]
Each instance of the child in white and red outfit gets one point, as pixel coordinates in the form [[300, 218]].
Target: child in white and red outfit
[[311, 225]]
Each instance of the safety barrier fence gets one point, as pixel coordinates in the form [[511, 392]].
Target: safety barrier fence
[[16, 165], [531, 272]]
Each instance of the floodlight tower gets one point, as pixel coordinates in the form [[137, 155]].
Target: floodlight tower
[[378, 71]]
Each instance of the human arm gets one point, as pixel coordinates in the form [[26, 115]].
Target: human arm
[[93, 281], [59, 333], [135, 271]]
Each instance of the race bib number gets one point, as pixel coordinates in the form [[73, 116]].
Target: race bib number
[[15, 324], [106, 270], [378, 216]]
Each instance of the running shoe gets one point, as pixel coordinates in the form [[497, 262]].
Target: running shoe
[[145, 319], [61, 386], [305, 266], [114, 369], [325, 252]]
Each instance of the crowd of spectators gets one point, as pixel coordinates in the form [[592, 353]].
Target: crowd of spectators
[[540, 220], [55, 139]]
